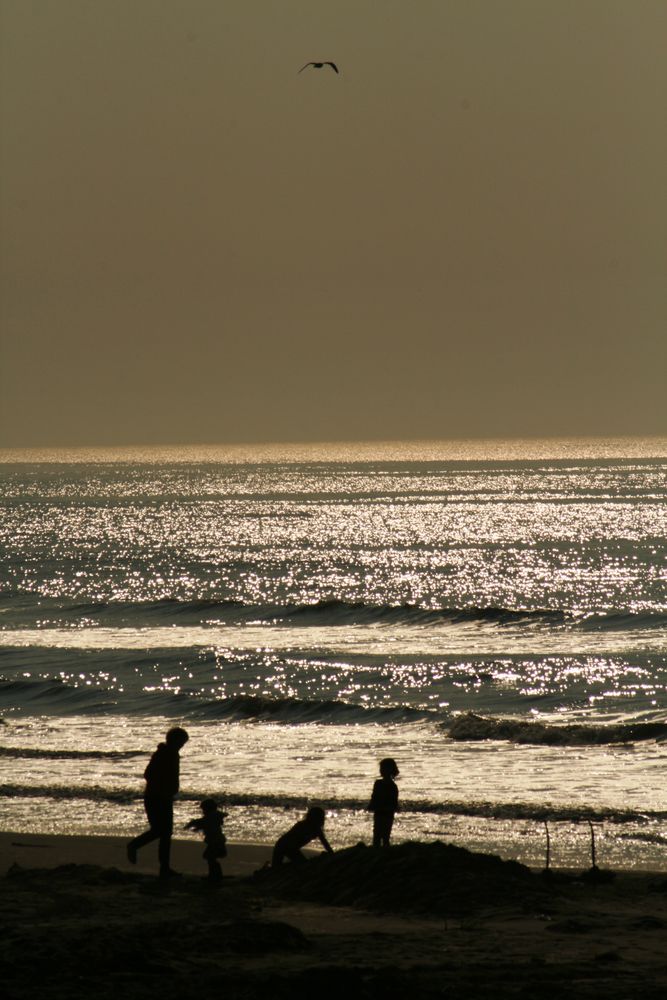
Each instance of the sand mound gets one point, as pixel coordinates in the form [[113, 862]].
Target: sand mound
[[435, 878]]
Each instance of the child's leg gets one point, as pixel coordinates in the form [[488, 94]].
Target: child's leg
[[210, 855], [382, 824], [282, 851], [214, 870], [285, 849]]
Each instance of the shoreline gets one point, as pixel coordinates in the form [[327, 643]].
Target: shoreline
[[49, 850]]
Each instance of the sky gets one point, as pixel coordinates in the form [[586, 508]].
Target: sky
[[461, 234]]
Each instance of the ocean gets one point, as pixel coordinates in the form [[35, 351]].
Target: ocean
[[491, 614]]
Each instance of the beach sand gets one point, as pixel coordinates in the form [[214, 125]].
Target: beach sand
[[419, 920], [43, 851]]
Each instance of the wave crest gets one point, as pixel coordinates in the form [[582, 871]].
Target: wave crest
[[31, 608], [471, 728], [57, 697], [301, 710], [527, 811], [33, 753], [60, 697]]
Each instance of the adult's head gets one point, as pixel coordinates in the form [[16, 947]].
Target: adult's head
[[208, 805], [177, 738]]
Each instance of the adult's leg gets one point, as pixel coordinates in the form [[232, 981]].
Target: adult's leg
[[160, 813], [144, 838], [163, 819]]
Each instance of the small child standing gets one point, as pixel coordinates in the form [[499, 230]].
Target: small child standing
[[211, 826], [384, 802]]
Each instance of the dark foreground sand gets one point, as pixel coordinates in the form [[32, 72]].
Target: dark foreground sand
[[416, 921]]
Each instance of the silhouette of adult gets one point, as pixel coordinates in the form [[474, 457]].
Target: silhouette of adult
[[162, 777]]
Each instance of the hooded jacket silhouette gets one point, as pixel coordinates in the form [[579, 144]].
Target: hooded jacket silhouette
[[162, 773], [162, 779]]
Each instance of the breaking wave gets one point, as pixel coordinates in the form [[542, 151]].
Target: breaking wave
[[26, 607], [25, 753], [471, 727], [538, 812], [61, 698], [301, 710], [54, 696]]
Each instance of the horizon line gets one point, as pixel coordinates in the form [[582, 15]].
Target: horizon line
[[507, 448]]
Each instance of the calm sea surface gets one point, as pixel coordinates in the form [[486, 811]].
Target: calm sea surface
[[493, 615]]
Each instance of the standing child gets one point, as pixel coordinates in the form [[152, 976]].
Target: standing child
[[211, 826], [384, 802], [307, 829]]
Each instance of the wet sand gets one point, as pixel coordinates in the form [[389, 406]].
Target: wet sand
[[43, 851], [418, 920]]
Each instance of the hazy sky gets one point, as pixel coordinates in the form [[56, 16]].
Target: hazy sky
[[464, 233]]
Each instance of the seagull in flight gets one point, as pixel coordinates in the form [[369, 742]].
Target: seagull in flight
[[317, 65]]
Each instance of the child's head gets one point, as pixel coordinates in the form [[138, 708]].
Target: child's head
[[177, 737], [208, 806], [389, 768], [315, 816]]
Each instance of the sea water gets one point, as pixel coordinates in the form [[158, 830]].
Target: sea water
[[492, 615]]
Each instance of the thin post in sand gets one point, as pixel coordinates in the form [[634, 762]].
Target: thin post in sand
[[548, 858], [593, 864]]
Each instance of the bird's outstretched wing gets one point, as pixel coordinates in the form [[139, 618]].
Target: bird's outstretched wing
[[319, 65]]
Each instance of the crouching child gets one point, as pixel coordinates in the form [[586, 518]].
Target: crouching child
[[311, 827]]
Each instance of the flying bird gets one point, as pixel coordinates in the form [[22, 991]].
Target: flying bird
[[317, 65]]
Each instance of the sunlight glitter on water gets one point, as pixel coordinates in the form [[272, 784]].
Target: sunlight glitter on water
[[338, 762], [491, 449], [137, 591], [361, 640], [334, 766]]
